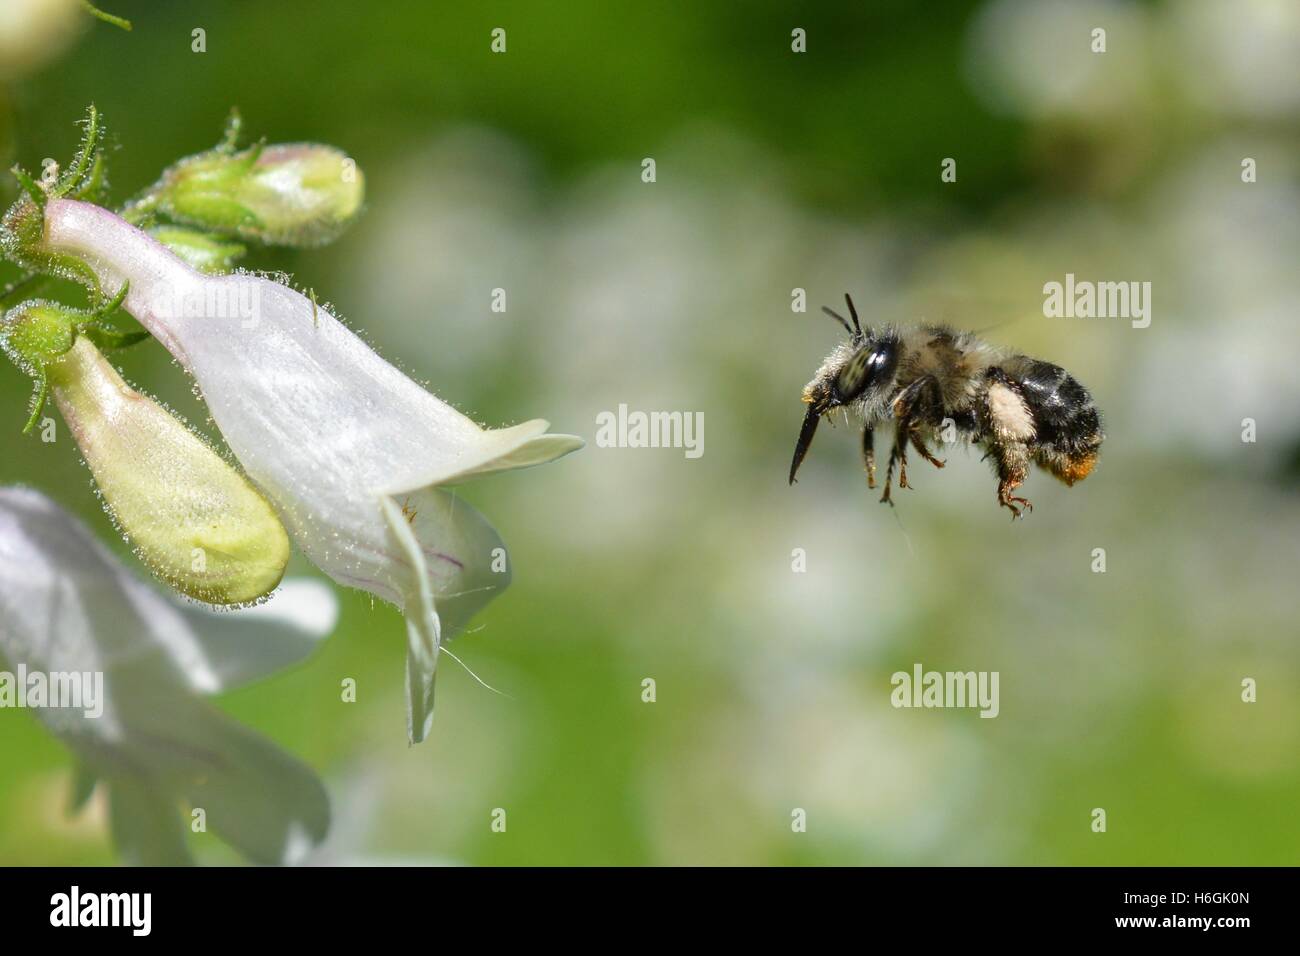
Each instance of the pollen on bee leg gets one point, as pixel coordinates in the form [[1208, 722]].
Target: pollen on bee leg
[[1010, 416], [1070, 470]]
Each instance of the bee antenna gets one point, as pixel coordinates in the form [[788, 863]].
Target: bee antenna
[[995, 325], [838, 318], [853, 312]]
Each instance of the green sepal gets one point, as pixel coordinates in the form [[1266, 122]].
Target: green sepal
[[36, 333], [230, 135], [103, 333], [31, 187], [22, 239], [108, 339], [39, 397], [222, 214], [86, 160]]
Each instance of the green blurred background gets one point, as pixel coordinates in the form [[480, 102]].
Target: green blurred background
[[775, 171]]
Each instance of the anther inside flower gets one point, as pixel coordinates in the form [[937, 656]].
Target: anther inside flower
[[349, 450]]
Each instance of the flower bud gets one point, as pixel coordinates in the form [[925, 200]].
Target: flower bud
[[194, 520], [297, 194], [199, 250]]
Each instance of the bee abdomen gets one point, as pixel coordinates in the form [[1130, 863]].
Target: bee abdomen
[[1067, 424]]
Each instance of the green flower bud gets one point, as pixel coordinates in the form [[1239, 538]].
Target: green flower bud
[[201, 251], [298, 194], [194, 520]]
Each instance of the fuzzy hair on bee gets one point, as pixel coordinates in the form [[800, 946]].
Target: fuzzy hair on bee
[[926, 378]]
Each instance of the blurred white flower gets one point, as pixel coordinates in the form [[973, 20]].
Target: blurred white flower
[[1241, 57], [1232, 298], [458, 222], [67, 605], [1036, 58], [32, 32], [347, 448]]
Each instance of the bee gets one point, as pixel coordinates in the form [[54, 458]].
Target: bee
[[933, 380]]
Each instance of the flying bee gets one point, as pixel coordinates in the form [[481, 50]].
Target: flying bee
[[933, 380]]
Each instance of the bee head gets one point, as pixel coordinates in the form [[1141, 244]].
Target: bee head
[[818, 394], [862, 363]]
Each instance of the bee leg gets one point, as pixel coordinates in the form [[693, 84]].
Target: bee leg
[[897, 454], [1013, 466], [1008, 500], [900, 449], [915, 398], [869, 454], [919, 445], [889, 476]]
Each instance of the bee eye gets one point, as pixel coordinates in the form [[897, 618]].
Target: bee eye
[[859, 373]]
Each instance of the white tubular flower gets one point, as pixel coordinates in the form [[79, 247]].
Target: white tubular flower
[[347, 448], [68, 607]]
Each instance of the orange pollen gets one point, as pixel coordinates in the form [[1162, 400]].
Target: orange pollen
[[1076, 469]]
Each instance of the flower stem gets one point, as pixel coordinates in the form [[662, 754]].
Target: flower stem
[[99, 14]]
